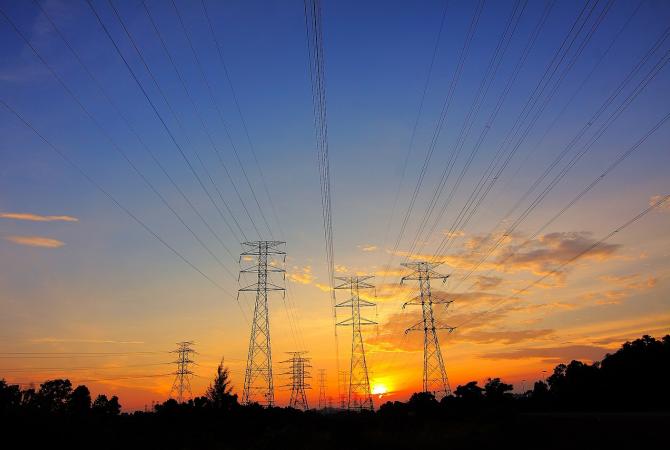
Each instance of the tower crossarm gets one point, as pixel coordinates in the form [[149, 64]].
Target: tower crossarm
[[350, 321]]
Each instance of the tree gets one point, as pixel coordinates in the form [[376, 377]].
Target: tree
[[496, 390], [423, 403], [53, 395], [10, 397], [469, 392], [106, 407], [219, 393], [540, 391], [80, 400]]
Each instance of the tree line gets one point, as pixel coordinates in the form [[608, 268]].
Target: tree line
[[632, 378]]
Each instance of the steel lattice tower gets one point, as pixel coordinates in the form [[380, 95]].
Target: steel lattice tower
[[298, 372], [182, 381], [322, 388], [342, 387], [359, 381], [258, 382], [434, 374]]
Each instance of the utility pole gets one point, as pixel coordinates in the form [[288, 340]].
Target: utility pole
[[182, 381], [258, 382], [322, 388], [359, 382], [435, 378], [298, 372]]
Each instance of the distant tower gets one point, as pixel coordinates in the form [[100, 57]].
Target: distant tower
[[258, 383], [298, 372], [182, 381], [434, 374], [359, 382], [343, 383], [322, 388]]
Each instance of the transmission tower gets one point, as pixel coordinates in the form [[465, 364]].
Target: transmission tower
[[182, 381], [322, 388], [434, 374], [359, 382], [258, 383], [342, 383], [298, 372]]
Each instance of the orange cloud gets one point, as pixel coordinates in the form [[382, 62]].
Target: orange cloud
[[36, 217], [301, 275], [484, 282], [554, 354], [35, 241], [663, 206]]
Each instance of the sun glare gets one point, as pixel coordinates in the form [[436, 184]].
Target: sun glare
[[379, 389]]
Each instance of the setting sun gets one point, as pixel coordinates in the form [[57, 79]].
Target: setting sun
[[379, 389]]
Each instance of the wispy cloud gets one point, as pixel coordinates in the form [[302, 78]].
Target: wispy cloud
[[55, 340], [367, 247], [554, 354], [36, 217], [35, 241], [663, 206], [301, 275]]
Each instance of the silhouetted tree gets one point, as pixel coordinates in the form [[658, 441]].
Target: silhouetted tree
[[540, 391], [495, 390], [79, 401], [470, 392], [634, 373], [219, 393], [423, 403], [53, 395], [106, 407], [10, 397]]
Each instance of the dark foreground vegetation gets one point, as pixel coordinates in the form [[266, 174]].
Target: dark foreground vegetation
[[620, 402]]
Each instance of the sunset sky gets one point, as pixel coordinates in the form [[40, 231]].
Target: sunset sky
[[89, 294]]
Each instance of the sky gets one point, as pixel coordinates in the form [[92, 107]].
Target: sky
[[106, 264]]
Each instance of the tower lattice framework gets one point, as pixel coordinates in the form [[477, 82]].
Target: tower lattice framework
[[322, 389], [359, 381], [182, 381], [268, 258], [435, 378], [298, 372]]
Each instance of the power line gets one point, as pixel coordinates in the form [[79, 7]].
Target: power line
[[110, 196], [416, 123], [239, 111], [620, 228], [156, 112], [197, 112], [114, 144], [223, 122], [438, 128], [575, 159]]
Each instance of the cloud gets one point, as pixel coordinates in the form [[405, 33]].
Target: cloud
[[35, 241], [663, 206], [301, 275], [554, 354], [341, 269], [454, 234], [54, 340], [626, 286], [542, 255], [36, 217], [484, 282], [539, 256], [504, 337], [323, 287], [367, 248]]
